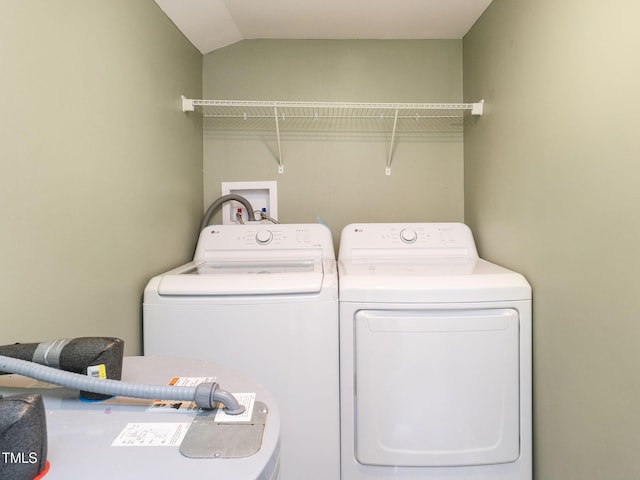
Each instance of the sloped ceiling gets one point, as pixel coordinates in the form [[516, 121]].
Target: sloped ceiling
[[212, 24]]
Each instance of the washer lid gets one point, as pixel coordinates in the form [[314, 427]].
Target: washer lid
[[452, 279], [245, 278]]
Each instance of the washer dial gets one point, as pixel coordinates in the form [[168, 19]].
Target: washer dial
[[407, 235], [264, 236]]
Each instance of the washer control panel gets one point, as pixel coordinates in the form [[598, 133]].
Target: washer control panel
[[265, 237]]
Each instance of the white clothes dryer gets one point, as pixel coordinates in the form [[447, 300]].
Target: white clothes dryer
[[263, 299], [435, 357]]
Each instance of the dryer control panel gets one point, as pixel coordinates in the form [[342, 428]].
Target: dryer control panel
[[423, 239]]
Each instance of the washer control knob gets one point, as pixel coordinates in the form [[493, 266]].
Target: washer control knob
[[408, 236], [264, 236]]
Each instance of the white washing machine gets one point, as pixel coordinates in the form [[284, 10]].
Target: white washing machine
[[263, 299], [435, 357]]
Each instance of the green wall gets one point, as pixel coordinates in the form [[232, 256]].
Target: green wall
[[552, 189], [101, 182], [338, 174]]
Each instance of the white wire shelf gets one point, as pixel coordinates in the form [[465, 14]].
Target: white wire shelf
[[311, 114]]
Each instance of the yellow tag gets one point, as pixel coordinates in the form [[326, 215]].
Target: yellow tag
[[97, 371]]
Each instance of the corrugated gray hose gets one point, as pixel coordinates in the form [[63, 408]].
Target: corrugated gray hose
[[205, 395], [218, 203]]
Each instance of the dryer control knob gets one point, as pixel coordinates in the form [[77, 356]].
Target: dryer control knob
[[264, 236], [408, 236]]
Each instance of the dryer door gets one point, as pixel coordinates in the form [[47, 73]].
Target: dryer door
[[437, 387]]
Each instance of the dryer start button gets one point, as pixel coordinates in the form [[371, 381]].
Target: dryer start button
[[264, 236], [408, 235]]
